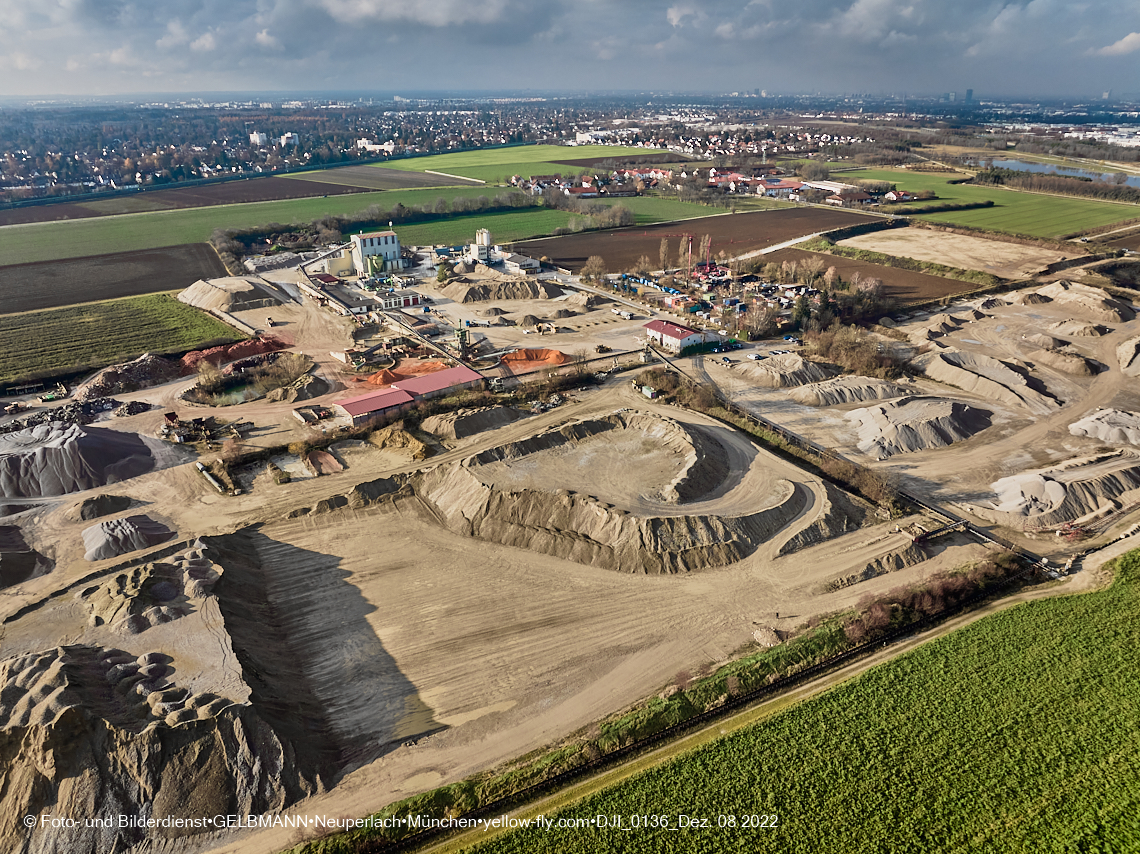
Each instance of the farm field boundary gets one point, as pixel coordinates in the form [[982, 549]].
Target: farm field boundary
[[51, 284], [498, 165], [72, 340]]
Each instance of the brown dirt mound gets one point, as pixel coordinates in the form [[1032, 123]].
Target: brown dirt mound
[[228, 294], [1031, 298], [468, 422], [522, 361], [394, 436], [143, 372], [404, 371], [1079, 329], [563, 313], [463, 292], [494, 311], [1067, 362], [529, 320], [231, 352], [322, 462]]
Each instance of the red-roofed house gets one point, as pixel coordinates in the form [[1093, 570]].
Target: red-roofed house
[[386, 401], [674, 336], [440, 383]]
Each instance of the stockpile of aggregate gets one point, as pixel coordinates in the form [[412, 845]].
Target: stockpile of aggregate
[[1092, 303], [468, 422], [789, 370], [846, 390], [119, 536], [145, 371], [229, 294], [916, 424], [1079, 329], [1109, 425], [55, 459]]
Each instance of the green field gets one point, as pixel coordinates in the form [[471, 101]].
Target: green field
[[1016, 733], [505, 226], [498, 164], [46, 241], [1033, 214], [97, 334]]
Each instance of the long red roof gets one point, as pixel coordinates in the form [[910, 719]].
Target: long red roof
[[374, 401], [438, 381]]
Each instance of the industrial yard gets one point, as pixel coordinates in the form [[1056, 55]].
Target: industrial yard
[[460, 456]]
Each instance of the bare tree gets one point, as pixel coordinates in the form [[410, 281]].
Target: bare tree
[[594, 269], [663, 254], [706, 244]]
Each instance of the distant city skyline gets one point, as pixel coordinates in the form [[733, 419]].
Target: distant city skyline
[[1035, 48]]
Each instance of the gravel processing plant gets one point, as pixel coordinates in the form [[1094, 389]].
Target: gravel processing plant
[[231, 587]]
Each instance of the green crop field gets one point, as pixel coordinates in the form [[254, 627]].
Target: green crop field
[[501, 163], [1034, 214], [97, 334], [45, 241], [1014, 734], [505, 226], [648, 210]]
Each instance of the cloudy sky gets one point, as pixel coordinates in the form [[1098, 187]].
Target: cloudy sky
[[108, 47]]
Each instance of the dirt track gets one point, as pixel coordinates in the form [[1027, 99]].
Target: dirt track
[[1008, 260]]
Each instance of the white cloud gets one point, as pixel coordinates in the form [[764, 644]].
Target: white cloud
[[204, 42], [175, 35], [1129, 44], [677, 14], [436, 13], [264, 39]]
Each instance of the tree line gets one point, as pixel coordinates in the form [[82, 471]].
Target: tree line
[[1068, 185]]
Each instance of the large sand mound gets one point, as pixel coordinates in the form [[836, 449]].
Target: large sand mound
[[1079, 329], [119, 536], [18, 562], [101, 505], [1045, 342], [464, 292], [1074, 492], [1068, 361], [846, 390], [987, 377], [1128, 353], [529, 320], [788, 371], [55, 459], [916, 424], [532, 359], [1029, 298], [468, 422], [229, 294], [1109, 425], [582, 299], [149, 595], [1092, 303]]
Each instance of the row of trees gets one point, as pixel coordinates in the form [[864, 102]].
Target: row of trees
[[1066, 185]]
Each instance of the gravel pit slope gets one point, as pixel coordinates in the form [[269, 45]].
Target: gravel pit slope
[[1128, 354], [1092, 303], [582, 528], [916, 424], [846, 390], [468, 422], [57, 459], [1079, 329], [1109, 425]]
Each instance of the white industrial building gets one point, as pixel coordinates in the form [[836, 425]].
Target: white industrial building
[[675, 337], [376, 252]]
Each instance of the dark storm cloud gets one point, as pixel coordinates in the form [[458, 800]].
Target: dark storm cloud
[[107, 46]]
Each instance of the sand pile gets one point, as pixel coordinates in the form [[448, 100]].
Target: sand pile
[[55, 459], [1128, 354], [322, 462], [144, 596], [493, 311], [468, 422], [18, 561], [1079, 329], [1045, 342], [846, 390], [582, 299], [1068, 361], [528, 320], [916, 424], [230, 352], [992, 303], [944, 323], [1109, 425], [910, 555], [305, 387], [563, 313], [532, 359], [1075, 492], [505, 289], [145, 371], [119, 536], [395, 437], [1090, 302], [1029, 298], [101, 505], [229, 295], [112, 714], [986, 377], [788, 371]]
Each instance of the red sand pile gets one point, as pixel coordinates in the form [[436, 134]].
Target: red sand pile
[[407, 370], [527, 360], [221, 355]]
